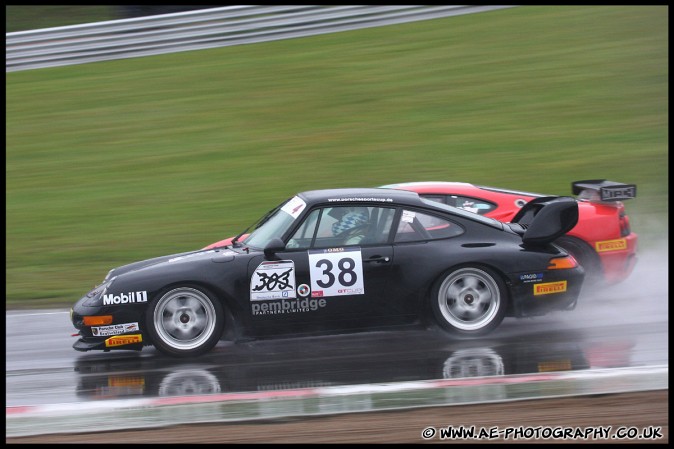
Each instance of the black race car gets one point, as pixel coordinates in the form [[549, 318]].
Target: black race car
[[340, 260]]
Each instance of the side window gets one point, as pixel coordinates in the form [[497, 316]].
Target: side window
[[474, 205], [416, 226], [437, 198], [305, 234], [343, 226], [382, 222]]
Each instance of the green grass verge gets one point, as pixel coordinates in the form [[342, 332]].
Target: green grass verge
[[112, 162]]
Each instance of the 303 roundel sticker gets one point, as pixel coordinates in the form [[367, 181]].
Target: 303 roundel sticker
[[336, 272], [273, 280]]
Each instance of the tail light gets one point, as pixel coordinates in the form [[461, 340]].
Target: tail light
[[562, 263], [624, 222]]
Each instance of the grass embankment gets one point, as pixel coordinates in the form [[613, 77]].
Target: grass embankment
[[117, 161]]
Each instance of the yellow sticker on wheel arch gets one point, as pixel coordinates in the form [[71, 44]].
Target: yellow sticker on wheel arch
[[120, 340], [549, 288]]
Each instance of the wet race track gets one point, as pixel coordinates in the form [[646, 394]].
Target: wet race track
[[619, 327]]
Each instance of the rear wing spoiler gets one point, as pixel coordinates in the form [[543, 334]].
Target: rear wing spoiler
[[603, 190], [543, 220]]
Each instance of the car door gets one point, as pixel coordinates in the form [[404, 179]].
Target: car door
[[329, 277]]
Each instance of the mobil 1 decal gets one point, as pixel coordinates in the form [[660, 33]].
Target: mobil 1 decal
[[336, 272], [273, 280]]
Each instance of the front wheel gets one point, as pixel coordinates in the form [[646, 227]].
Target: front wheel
[[185, 322], [469, 301]]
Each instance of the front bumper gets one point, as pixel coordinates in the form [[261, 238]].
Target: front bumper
[[97, 344], [124, 332]]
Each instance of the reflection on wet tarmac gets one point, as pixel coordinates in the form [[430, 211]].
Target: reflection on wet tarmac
[[378, 357]]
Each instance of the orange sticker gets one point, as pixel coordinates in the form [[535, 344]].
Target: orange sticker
[[549, 288], [120, 340], [611, 245], [120, 381], [554, 365]]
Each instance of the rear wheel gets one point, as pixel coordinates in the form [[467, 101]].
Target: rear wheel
[[185, 322], [469, 301], [585, 256]]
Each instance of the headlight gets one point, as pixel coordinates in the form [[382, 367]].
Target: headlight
[[107, 276], [97, 293]]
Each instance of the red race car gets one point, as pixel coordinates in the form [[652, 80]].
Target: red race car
[[602, 241]]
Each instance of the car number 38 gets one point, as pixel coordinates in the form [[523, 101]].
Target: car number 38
[[340, 260]]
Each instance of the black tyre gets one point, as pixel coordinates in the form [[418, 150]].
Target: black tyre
[[469, 301], [585, 256], [185, 322]]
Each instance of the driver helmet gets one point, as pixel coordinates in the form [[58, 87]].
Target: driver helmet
[[354, 217]]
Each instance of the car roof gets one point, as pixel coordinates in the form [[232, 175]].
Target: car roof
[[390, 197], [365, 194], [429, 184], [459, 188]]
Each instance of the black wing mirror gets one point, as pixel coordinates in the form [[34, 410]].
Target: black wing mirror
[[275, 245]]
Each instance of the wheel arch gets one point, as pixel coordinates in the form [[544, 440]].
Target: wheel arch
[[490, 266], [585, 255]]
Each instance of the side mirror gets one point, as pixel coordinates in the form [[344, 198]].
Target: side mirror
[[275, 245]]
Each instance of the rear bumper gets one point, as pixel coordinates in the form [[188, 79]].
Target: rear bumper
[[538, 294], [618, 257]]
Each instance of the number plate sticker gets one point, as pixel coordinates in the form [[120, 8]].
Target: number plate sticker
[[336, 272], [273, 280]]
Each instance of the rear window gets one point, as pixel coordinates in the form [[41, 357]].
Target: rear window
[[463, 213], [416, 226]]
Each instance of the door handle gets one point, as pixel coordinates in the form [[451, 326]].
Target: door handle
[[379, 259]]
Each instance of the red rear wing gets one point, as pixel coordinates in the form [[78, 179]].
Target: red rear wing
[[603, 190]]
